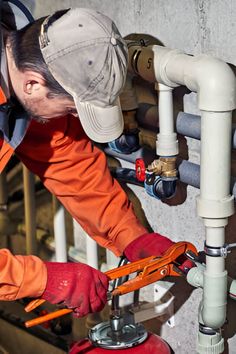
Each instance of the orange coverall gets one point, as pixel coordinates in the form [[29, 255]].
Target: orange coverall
[[76, 172]]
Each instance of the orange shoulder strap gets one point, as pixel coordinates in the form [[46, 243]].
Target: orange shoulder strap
[[3, 98], [6, 150]]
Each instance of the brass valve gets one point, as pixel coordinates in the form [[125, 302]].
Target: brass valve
[[164, 166]]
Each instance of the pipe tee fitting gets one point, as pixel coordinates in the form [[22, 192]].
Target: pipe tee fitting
[[164, 167]]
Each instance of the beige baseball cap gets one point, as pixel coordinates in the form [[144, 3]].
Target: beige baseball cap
[[86, 54]]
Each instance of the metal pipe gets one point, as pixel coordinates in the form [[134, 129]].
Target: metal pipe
[[3, 189], [30, 211]]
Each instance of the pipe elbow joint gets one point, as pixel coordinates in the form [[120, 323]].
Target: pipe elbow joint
[[214, 81], [211, 78]]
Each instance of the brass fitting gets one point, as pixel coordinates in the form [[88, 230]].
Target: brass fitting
[[164, 166], [141, 61]]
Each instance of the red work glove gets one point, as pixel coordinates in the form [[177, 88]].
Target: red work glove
[[77, 286], [153, 245]]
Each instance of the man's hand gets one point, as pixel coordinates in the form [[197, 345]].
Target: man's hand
[[77, 286], [153, 244]]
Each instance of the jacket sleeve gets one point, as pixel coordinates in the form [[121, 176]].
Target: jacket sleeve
[[75, 171], [21, 276]]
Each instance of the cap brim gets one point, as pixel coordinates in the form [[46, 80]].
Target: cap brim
[[101, 124]]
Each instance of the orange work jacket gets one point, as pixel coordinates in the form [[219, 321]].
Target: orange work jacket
[[76, 171]]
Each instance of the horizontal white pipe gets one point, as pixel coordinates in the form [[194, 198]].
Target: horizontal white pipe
[[211, 78]]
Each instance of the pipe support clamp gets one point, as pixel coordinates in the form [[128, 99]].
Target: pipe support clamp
[[219, 251]]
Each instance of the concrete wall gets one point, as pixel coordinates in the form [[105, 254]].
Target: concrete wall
[[195, 26]]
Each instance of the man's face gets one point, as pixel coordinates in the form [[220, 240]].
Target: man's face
[[43, 109], [30, 89]]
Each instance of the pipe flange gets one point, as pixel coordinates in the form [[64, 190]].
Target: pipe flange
[[207, 330], [129, 336]]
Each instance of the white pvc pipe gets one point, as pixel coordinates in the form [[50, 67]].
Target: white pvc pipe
[[92, 252], [59, 231], [165, 109], [216, 128], [83, 243], [214, 82], [167, 143]]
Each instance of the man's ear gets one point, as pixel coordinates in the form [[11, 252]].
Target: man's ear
[[33, 84]]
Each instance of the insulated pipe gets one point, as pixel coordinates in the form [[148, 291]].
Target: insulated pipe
[[189, 173], [30, 211], [190, 125]]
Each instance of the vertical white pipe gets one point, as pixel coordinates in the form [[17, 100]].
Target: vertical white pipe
[[215, 205], [59, 231], [167, 143], [83, 243], [92, 252], [165, 109], [215, 237], [30, 211], [215, 155]]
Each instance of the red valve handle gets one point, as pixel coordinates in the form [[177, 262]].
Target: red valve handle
[[140, 170]]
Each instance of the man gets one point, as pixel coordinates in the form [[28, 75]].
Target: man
[[67, 71]]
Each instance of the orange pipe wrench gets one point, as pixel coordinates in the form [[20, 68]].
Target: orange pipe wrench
[[150, 270]]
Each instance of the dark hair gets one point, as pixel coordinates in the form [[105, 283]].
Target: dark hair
[[27, 54]]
